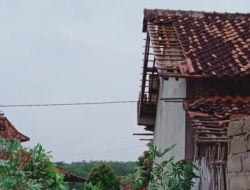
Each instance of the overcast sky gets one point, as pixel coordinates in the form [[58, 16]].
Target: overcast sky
[[60, 51]]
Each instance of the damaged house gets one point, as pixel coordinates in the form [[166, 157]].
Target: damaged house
[[196, 77]]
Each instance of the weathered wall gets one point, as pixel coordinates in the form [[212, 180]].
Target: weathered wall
[[170, 117], [239, 154], [213, 86]]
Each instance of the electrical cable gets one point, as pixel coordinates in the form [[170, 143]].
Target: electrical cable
[[67, 104]]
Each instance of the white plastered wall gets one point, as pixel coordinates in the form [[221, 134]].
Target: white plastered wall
[[171, 117]]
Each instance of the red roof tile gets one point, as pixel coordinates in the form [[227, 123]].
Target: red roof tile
[[69, 176], [8, 131], [220, 107], [206, 44], [210, 116]]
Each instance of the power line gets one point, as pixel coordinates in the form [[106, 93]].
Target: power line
[[67, 104]]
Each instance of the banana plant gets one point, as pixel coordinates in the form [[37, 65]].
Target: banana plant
[[27, 169]]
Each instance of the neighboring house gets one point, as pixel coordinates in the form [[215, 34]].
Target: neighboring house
[[196, 77], [71, 177], [8, 131]]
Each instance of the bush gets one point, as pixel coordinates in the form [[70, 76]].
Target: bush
[[167, 175], [103, 177], [90, 186], [170, 174]]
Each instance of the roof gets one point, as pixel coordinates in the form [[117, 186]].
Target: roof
[[69, 176], [210, 116], [199, 44], [8, 131]]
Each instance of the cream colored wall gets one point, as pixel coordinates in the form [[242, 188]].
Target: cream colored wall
[[171, 117]]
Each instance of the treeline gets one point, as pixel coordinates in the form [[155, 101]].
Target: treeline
[[84, 168]]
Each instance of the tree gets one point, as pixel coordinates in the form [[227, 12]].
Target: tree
[[103, 177], [27, 169], [84, 168]]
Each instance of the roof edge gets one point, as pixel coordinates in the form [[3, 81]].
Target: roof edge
[[150, 14], [194, 13]]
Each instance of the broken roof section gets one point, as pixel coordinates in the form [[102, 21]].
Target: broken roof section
[[199, 44], [8, 131], [210, 116]]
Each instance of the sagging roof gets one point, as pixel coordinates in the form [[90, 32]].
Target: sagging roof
[[69, 176], [210, 116], [199, 44], [8, 131]]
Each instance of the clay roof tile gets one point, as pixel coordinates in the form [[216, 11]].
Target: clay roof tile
[[208, 36], [8, 131]]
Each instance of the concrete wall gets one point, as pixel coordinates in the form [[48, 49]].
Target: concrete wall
[[171, 117], [239, 155]]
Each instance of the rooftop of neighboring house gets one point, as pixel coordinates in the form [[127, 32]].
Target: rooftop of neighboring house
[[69, 176], [199, 44], [8, 131]]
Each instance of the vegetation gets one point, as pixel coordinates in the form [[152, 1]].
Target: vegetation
[[84, 169], [31, 169], [90, 186], [27, 169], [166, 175], [143, 173], [104, 178]]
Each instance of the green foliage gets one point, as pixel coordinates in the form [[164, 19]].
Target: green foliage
[[169, 174], [103, 177], [84, 168], [90, 186], [143, 171], [166, 175], [27, 169]]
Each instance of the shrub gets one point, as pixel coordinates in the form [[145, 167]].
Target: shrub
[[90, 186], [166, 175], [103, 177], [170, 174]]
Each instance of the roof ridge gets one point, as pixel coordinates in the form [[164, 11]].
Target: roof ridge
[[193, 13]]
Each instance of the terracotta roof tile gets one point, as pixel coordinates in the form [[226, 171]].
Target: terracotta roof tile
[[218, 44], [69, 176], [220, 107], [8, 131], [209, 116]]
